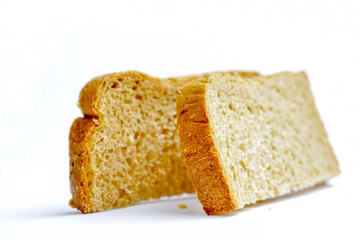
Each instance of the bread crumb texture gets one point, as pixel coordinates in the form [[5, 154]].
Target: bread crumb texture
[[126, 148], [263, 138]]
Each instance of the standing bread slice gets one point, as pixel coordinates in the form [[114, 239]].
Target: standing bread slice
[[126, 149], [248, 139]]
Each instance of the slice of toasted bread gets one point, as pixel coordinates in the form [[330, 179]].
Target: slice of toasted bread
[[126, 148], [249, 139]]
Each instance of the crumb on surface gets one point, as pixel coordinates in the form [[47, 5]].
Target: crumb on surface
[[182, 206]]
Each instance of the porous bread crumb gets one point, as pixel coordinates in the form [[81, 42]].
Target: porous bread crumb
[[126, 148], [132, 152], [249, 139]]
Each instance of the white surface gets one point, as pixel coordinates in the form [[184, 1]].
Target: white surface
[[49, 50]]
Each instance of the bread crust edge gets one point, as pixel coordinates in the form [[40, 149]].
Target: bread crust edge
[[81, 175], [201, 157]]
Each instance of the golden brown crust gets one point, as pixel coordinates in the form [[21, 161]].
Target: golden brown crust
[[199, 151], [80, 169], [90, 94], [88, 100], [243, 74], [205, 75]]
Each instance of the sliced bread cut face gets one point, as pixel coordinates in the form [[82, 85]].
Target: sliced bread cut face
[[250, 139], [126, 148]]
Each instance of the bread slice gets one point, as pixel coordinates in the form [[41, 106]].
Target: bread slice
[[248, 139], [126, 149]]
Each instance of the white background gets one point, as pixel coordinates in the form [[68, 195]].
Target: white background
[[50, 49]]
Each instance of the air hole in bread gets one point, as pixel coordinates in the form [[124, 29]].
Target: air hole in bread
[[231, 107], [128, 161], [136, 135]]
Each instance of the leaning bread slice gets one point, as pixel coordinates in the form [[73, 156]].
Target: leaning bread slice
[[126, 149], [249, 139]]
